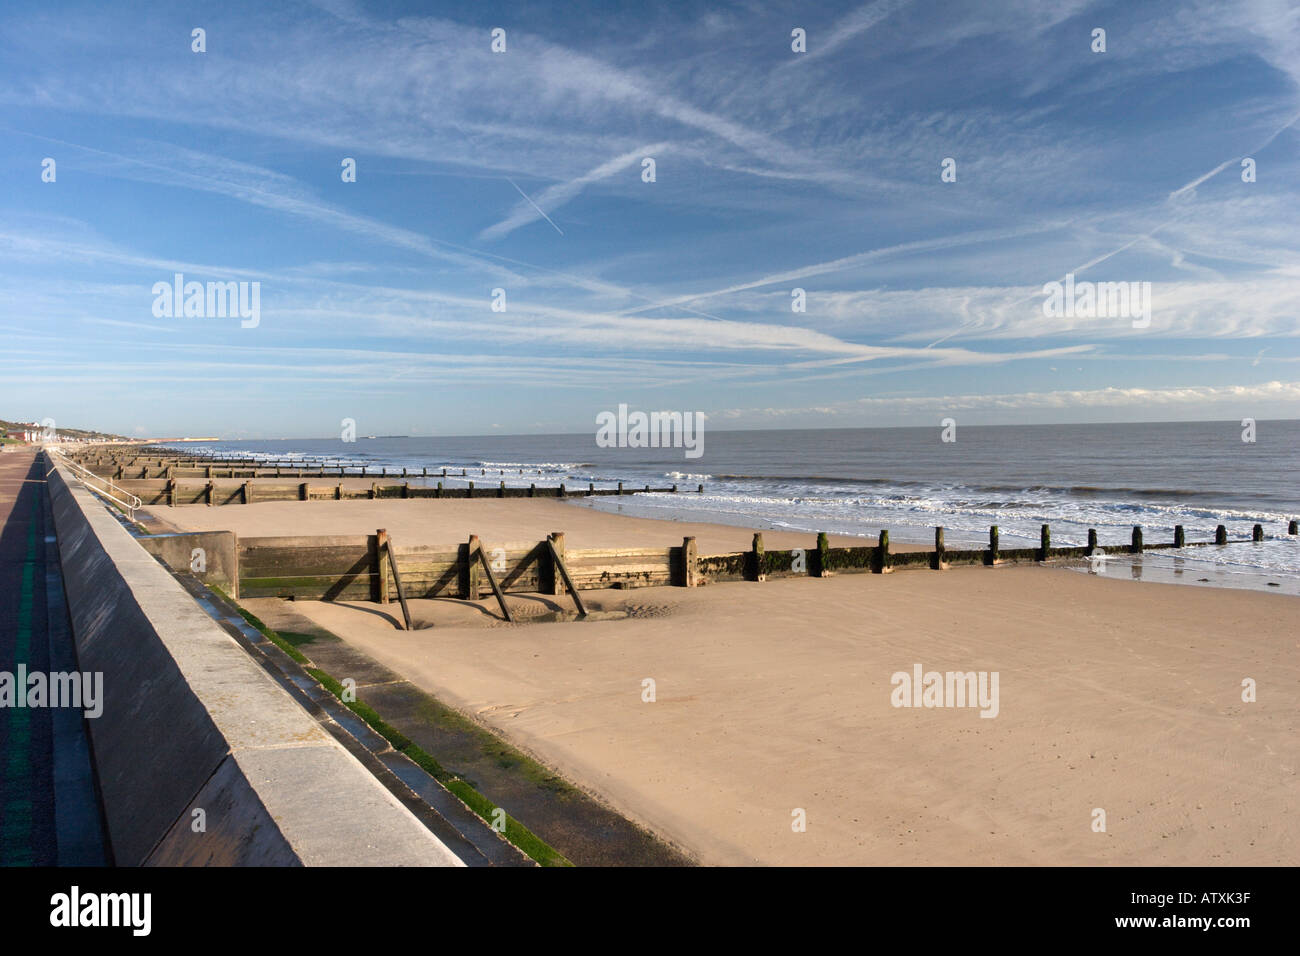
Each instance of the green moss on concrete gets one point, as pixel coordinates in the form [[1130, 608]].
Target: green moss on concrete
[[491, 746], [265, 631], [297, 640], [363, 710], [514, 831]]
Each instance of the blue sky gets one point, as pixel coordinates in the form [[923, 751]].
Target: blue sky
[[523, 170]]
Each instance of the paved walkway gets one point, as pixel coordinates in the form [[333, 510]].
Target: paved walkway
[[37, 745], [27, 834]]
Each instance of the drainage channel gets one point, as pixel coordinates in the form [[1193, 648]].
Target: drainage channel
[[463, 831]]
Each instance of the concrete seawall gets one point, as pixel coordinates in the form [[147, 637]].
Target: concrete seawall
[[191, 723]]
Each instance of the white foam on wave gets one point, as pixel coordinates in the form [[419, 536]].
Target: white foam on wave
[[536, 466], [911, 516]]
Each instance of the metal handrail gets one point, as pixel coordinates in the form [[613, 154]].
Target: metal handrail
[[119, 496]]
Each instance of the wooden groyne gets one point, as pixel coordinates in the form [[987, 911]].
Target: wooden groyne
[[110, 462], [175, 493], [361, 567], [373, 568], [177, 480]]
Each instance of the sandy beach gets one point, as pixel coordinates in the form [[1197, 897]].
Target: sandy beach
[[1114, 694], [770, 698], [453, 520]]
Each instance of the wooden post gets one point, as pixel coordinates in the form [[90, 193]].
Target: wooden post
[[171, 492], [208, 493], [823, 555], [674, 489], [1044, 542], [756, 557], [992, 556], [1092, 540], [620, 487], [303, 493], [473, 572], [558, 562], [700, 490], [209, 472], [1257, 534], [690, 563], [501, 492], [1180, 537], [562, 492], [406, 488], [553, 583], [938, 560], [1293, 527], [381, 564], [492, 583], [1220, 535], [532, 490], [883, 564], [591, 487], [438, 491], [247, 496], [470, 492], [1136, 547], [374, 490]]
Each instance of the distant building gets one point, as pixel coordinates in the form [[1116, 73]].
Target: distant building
[[28, 433]]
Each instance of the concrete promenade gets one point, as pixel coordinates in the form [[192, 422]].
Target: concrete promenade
[[48, 811], [27, 835], [200, 756]]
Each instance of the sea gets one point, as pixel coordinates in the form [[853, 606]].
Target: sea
[[908, 480]]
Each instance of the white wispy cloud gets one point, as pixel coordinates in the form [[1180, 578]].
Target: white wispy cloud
[[856, 23], [555, 196], [1145, 400], [818, 171]]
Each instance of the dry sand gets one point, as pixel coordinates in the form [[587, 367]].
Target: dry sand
[[453, 520], [1113, 694]]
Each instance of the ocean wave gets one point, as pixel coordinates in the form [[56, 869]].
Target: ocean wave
[[1073, 490], [533, 466]]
